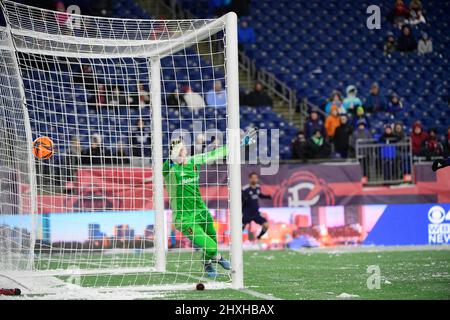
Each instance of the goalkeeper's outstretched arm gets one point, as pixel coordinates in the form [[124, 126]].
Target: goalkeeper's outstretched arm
[[209, 157], [221, 152]]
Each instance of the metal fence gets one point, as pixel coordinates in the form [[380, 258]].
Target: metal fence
[[385, 162]]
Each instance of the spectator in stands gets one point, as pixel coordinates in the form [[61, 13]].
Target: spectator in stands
[[75, 152], [361, 116], [141, 140], [73, 159], [174, 100], [398, 131], [425, 44], [317, 147], [143, 96], [335, 100], [351, 102], [416, 13], [418, 136], [375, 101], [431, 146], [85, 78], [361, 133], [258, 97], [406, 42], [246, 34], [395, 104], [342, 137], [117, 98], [299, 146], [314, 122], [388, 135], [62, 17], [96, 154], [332, 122], [98, 99], [399, 13], [217, 97], [390, 46], [194, 101]]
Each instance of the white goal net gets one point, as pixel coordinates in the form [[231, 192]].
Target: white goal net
[[111, 95]]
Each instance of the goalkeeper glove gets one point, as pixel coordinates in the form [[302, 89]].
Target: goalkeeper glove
[[249, 137]]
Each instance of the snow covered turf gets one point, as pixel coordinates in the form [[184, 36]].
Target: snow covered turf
[[321, 273]]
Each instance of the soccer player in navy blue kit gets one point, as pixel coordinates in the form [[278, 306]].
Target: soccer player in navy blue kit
[[251, 193]]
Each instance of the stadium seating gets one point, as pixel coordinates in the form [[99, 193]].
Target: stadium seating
[[52, 124], [316, 55]]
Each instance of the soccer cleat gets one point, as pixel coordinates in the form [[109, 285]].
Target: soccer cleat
[[210, 270], [224, 263]]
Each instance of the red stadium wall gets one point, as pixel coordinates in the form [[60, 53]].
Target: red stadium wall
[[100, 189]]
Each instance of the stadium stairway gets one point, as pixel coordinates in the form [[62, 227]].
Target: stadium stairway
[[246, 83]]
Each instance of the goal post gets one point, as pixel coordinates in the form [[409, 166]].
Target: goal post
[[15, 164], [111, 94]]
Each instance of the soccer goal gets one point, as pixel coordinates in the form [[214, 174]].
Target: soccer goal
[[110, 95]]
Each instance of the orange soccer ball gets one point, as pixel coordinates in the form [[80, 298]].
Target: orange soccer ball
[[43, 148]]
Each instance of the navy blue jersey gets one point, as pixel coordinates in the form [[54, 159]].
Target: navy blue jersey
[[250, 199]]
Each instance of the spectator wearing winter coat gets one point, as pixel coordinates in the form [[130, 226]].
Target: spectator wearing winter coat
[[431, 146], [398, 131], [141, 140], [375, 101], [258, 97], [314, 122], [360, 133], [416, 15], [395, 104], [335, 100], [351, 102], [390, 46], [399, 13], [360, 116], [299, 146], [425, 44], [388, 136], [246, 34], [194, 100], [342, 137], [175, 100], [317, 147], [332, 122], [406, 42], [418, 136], [217, 97]]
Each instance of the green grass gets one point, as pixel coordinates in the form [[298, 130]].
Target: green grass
[[423, 274], [406, 273]]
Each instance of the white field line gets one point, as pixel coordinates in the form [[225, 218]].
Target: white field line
[[259, 294]]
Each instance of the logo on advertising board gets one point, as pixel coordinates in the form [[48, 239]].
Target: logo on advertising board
[[439, 225], [303, 189]]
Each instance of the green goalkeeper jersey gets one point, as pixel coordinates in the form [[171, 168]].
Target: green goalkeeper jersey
[[183, 184]]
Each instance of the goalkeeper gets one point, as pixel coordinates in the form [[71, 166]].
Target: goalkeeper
[[191, 215]]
